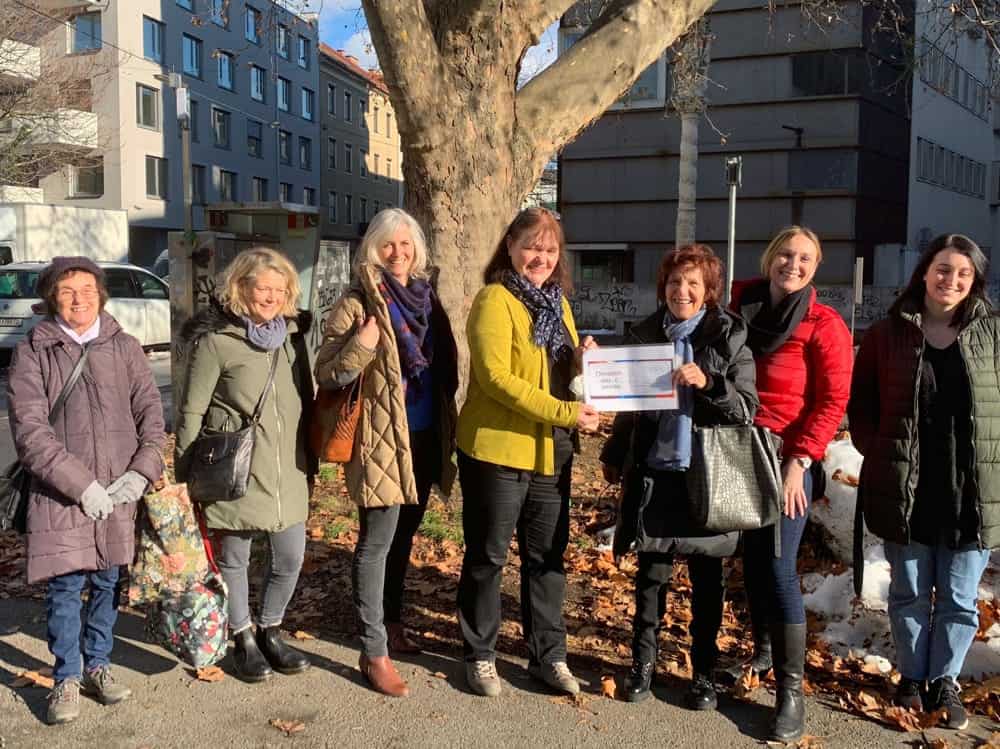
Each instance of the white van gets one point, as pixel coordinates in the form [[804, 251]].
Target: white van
[[138, 301]]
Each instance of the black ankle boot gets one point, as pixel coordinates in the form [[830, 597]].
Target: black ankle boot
[[789, 718], [282, 658], [639, 680], [249, 661], [701, 694]]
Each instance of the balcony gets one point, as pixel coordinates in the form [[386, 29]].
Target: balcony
[[19, 63], [83, 5], [61, 129]]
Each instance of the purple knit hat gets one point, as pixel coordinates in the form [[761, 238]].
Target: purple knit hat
[[59, 265]]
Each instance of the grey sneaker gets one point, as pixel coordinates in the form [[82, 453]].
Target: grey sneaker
[[101, 685], [483, 678], [557, 675], [64, 702]]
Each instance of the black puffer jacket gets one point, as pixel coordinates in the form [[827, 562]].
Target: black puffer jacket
[[720, 351]]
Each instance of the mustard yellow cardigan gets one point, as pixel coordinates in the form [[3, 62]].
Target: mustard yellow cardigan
[[509, 412]]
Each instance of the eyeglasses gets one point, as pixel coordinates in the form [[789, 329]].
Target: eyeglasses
[[268, 290], [68, 295]]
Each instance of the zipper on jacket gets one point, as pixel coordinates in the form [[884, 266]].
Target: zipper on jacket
[[972, 423], [277, 415], [911, 490]]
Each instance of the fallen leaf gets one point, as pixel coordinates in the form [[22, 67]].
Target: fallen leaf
[[609, 688], [747, 683], [439, 675], [809, 742], [210, 674], [40, 678], [288, 727], [300, 635], [938, 744], [903, 719]]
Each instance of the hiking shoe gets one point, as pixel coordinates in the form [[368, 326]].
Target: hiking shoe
[[64, 702], [944, 693], [639, 681], [701, 693], [101, 685], [910, 694], [483, 678], [557, 675]]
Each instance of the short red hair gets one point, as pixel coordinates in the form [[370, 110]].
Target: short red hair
[[692, 255]]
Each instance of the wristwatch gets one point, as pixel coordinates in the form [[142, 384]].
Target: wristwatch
[[803, 460]]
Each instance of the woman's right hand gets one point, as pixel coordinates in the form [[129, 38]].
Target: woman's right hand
[[588, 418], [368, 333]]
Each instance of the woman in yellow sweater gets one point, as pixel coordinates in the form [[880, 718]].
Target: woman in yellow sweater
[[515, 449]]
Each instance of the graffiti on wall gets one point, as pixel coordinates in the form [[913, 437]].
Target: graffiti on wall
[[333, 274], [604, 306]]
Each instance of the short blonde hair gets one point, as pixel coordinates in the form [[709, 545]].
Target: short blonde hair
[[767, 259], [380, 231], [242, 273]]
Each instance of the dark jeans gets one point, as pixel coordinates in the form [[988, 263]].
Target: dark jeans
[[63, 605], [707, 594], [497, 501], [773, 588], [382, 554]]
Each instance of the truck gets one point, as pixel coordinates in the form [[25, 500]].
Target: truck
[[41, 231]]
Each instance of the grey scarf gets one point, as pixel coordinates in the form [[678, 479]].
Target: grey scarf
[[269, 335]]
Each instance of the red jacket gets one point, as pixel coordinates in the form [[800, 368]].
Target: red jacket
[[804, 386]]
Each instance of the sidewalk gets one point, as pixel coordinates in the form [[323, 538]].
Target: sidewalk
[[172, 709]]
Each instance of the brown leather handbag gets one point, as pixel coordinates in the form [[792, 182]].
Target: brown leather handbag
[[335, 421]]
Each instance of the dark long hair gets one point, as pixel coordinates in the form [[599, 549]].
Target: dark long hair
[[531, 221], [914, 293]]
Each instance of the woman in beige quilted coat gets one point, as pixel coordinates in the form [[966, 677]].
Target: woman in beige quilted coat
[[391, 327]]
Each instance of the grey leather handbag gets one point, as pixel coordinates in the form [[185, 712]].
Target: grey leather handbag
[[220, 461], [734, 480]]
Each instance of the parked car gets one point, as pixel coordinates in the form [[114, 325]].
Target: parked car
[[138, 301]]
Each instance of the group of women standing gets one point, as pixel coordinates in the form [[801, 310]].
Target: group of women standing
[[925, 378]]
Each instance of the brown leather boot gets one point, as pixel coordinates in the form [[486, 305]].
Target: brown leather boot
[[383, 676]]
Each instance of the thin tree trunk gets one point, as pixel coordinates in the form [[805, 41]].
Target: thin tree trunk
[[687, 181]]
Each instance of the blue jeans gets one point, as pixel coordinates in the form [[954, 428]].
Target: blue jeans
[[932, 640], [63, 604]]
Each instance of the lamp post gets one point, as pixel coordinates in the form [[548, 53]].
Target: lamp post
[[734, 177]]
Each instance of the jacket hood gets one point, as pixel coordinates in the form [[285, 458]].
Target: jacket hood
[[718, 324], [215, 318], [49, 333]]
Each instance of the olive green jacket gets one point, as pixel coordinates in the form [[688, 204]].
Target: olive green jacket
[[225, 377]]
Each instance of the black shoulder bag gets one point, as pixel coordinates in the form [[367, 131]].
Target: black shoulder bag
[[16, 480], [220, 461]]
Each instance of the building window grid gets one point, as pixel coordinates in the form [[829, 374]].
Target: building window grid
[[281, 41], [255, 139], [348, 209], [221, 127], [219, 13], [331, 206], [224, 76], [258, 188], [284, 94], [348, 158], [309, 195], [377, 173], [258, 83], [945, 168], [347, 106], [147, 107], [331, 153], [363, 212], [284, 147], [156, 177], [88, 181], [363, 163], [308, 104], [375, 114], [252, 25], [197, 184], [331, 99], [305, 153], [227, 186], [285, 192], [304, 52], [86, 32], [940, 71], [152, 39], [191, 48], [186, 4]]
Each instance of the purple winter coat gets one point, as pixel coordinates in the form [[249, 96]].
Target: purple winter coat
[[111, 422]]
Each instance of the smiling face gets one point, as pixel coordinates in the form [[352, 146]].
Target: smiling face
[[949, 279], [685, 292], [266, 296], [534, 256], [794, 265], [78, 300], [397, 254]]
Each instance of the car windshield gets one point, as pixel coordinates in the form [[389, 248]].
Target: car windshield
[[18, 284]]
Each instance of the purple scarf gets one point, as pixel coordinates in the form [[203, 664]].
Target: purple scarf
[[410, 315]]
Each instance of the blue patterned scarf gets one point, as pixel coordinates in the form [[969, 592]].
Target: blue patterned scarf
[[269, 335], [672, 449], [545, 306], [410, 316]]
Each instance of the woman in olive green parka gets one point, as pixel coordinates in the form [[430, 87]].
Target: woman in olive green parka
[[231, 347]]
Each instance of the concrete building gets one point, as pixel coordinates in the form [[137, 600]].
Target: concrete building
[[360, 149], [252, 70]]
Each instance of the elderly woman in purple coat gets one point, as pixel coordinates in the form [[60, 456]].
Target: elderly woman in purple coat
[[89, 468]]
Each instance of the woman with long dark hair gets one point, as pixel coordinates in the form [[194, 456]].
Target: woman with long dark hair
[[924, 412]]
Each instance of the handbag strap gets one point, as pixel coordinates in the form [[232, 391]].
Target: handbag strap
[[205, 538], [64, 393], [267, 387]]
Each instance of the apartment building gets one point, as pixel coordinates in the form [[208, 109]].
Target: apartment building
[[252, 70], [360, 149]]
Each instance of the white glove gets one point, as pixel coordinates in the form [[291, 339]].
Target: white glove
[[129, 487], [95, 502]]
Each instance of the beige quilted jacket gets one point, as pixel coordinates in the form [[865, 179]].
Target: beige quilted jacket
[[380, 472]]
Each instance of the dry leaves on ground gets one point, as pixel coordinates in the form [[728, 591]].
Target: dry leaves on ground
[[301, 635], [40, 678], [210, 674], [287, 727], [609, 687]]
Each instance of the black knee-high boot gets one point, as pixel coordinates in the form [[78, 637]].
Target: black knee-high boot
[[789, 667]]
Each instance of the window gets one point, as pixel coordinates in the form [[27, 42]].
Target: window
[[258, 78], [192, 55], [375, 209], [284, 94], [86, 32], [828, 169], [347, 106], [348, 158], [388, 168], [281, 41], [150, 287], [331, 153], [348, 209], [156, 177], [186, 4], [605, 266], [309, 195], [363, 163], [147, 107], [375, 118], [88, 181], [221, 122], [219, 13], [225, 74], [285, 146], [258, 189], [251, 25], [119, 283], [152, 39], [197, 184], [255, 138], [308, 101], [363, 113], [195, 119], [305, 47], [227, 186], [364, 209], [822, 74], [388, 125], [331, 99], [377, 172], [331, 206], [285, 192], [305, 153]]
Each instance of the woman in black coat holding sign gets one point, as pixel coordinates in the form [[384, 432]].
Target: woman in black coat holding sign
[[651, 450]]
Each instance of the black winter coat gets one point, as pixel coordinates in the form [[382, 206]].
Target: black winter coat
[[720, 351]]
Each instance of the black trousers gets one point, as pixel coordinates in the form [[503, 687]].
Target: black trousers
[[707, 594], [497, 502]]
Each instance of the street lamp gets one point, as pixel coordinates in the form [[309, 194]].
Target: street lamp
[[734, 178]]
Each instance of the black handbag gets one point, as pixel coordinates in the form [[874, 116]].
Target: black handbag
[[219, 470], [16, 480]]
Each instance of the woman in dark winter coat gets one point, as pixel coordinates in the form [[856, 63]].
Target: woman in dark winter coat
[[803, 355], [924, 413], [715, 386], [232, 346], [89, 469]]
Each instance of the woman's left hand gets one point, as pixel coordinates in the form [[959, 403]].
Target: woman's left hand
[[585, 345], [795, 494], [691, 375]]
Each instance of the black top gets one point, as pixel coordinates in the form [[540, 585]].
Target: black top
[[560, 376], [945, 508]]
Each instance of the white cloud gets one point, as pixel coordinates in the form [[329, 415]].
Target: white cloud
[[360, 45]]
